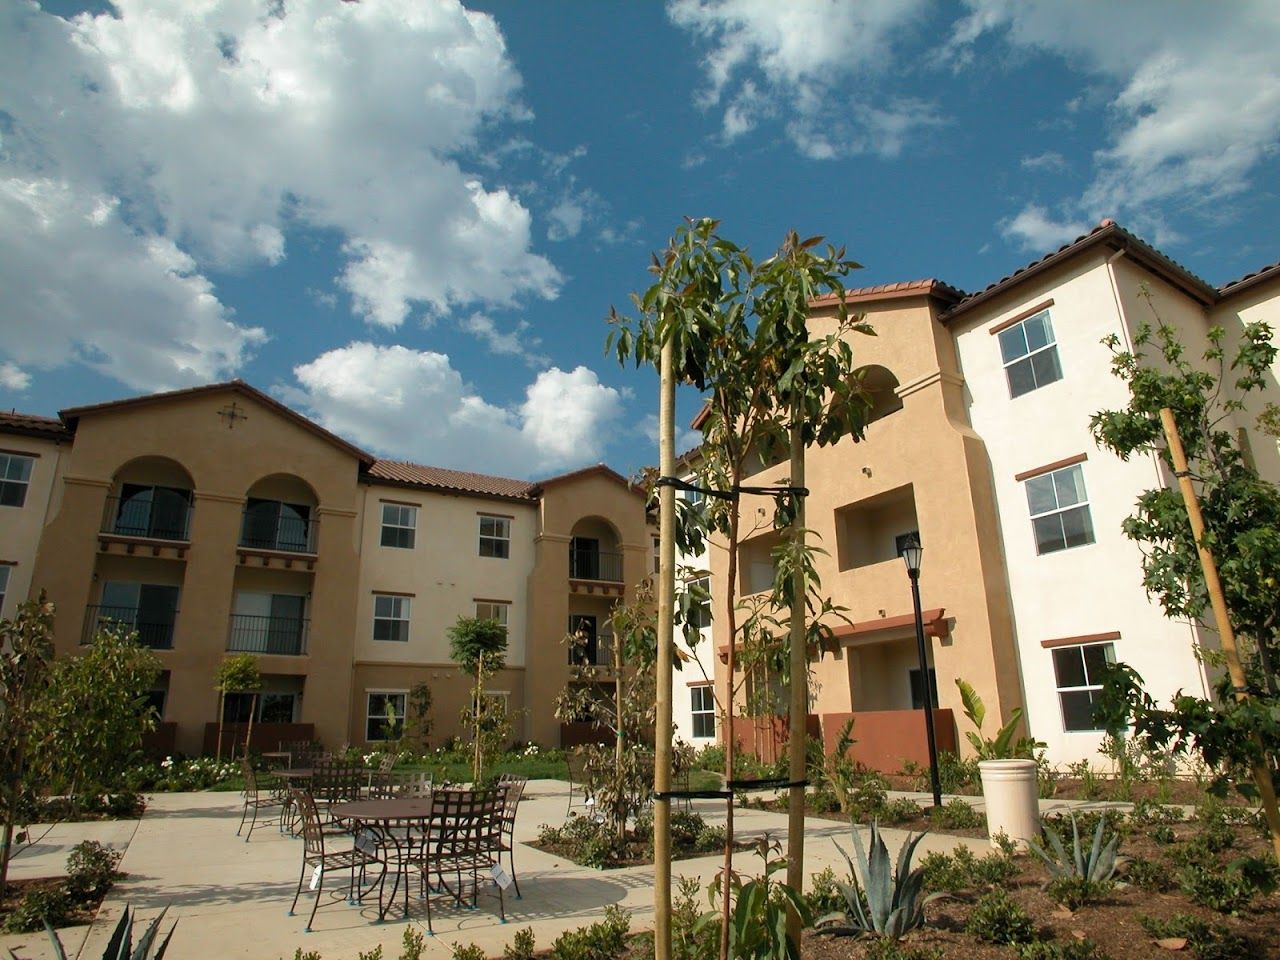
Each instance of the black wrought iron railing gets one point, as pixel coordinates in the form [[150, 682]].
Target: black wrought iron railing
[[152, 631], [595, 565], [131, 517], [287, 534], [597, 653], [286, 636]]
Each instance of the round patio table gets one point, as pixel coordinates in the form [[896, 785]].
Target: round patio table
[[391, 823]]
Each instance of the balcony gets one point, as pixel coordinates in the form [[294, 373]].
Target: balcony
[[154, 632], [595, 565], [168, 519], [285, 636], [592, 652], [271, 528]]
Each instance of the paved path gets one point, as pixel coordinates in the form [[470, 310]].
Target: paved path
[[231, 898]]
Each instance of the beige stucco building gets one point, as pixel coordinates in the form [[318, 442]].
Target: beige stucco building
[[980, 446], [217, 520]]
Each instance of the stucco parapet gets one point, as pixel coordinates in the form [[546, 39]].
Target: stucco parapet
[[928, 380], [553, 537], [87, 482]]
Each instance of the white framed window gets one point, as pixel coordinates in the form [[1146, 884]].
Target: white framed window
[[1078, 673], [399, 525], [657, 554], [384, 714], [1030, 354], [702, 702], [495, 536], [391, 617], [493, 610], [15, 478], [1059, 506], [4, 585]]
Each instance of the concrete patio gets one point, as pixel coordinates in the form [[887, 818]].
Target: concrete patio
[[231, 898]]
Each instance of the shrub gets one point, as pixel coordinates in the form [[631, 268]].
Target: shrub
[[899, 810], [1073, 892], [1163, 834], [1148, 875], [1207, 941], [37, 907], [1262, 873], [468, 952], [996, 918], [882, 949], [1209, 886], [604, 940], [413, 944], [824, 895], [521, 947], [1060, 950], [955, 774], [956, 815], [91, 870]]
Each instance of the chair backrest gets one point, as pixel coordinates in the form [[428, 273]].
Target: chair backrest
[[250, 777], [513, 790], [312, 832], [412, 783], [465, 822], [335, 782], [303, 753]]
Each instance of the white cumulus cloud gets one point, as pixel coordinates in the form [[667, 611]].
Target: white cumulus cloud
[[1035, 229], [801, 59], [413, 404], [205, 132]]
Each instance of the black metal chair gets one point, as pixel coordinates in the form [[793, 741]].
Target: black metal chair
[[262, 791], [463, 838], [317, 855], [514, 790]]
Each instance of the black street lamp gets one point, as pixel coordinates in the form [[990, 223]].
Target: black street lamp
[[912, 554]]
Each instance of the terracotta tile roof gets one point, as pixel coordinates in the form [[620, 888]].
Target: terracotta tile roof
[[889, 291], [1240, 284], [30, 425], [1108, 233], [453, 481], [599, 468]]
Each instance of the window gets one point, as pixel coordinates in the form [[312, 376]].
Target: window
[[399, 523], [917, 692], [1078, 671], [384, 715], [700, 602], [274, 525], [390, 618], [1030, 354], [150, 609], [4, 585], [657, 554], [703, 704], [492, 610], [15, 477], [495, 537], [1059, 508], [148, 511], [272, 707]]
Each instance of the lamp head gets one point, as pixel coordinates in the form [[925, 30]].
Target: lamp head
[[912, 555]]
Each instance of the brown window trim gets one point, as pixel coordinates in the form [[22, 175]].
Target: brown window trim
[[497, 516], [20, 453], [401, 503], [1050, 467], [8, 563], [1031, 312], [489, 600], [391, 593], [699, 683], [1080, 641]]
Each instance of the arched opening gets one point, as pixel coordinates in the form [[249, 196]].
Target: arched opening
[[595, 550], [882, 387], [280, 514], [150, 497]]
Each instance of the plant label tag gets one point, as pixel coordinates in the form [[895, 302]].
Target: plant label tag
[[315, 877], [366, 842], [500, 876]]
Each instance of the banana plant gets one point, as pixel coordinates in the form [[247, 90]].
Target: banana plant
[[1002, 746], [890, 904]]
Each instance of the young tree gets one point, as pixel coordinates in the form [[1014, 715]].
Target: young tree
[[94, 714], [479, 647], [238, 674], [1240, 729], [26, 656], [739, 329], [418, 723]]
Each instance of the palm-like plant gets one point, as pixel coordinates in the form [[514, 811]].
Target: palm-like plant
[[892, 902]]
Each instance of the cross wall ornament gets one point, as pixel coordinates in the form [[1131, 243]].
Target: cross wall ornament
[[231, 414]]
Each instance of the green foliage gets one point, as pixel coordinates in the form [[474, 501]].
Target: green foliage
[[962, 871], [884, 949], [521, 946], [824, 896], [413, 944], [899, 810], [955, 773], [417, 721], [376, 954], [91, 870], [1060, 950], [1206, 941], [39, 906], [586, 841], [1209, 886], [1148, 875], [758, 919], [479, 647], [892, 901], [1002, 746], [1074, 892], [468, 952], [121, 944], [956, 815], [604, 940], [996, 918], [839, 771], [1094, 865], [686, 944], [1260, 873]]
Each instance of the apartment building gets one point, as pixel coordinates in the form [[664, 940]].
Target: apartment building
[[215, 520], [979, 446]]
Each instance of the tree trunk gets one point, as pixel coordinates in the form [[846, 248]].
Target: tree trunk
[[222, 717], [253, 708], [731, 627], [6, 847], [798, 739], [666, 637]]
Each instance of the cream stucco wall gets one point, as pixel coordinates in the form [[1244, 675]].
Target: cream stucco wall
[[21, 527]]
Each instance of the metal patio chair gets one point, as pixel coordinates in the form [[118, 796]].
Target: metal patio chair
[[321, 858], [261, 792]]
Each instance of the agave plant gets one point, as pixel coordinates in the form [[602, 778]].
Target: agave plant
[[1096, 866], [120, 946], [892, 903]]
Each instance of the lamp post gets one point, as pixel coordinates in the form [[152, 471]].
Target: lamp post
[[912, 554]]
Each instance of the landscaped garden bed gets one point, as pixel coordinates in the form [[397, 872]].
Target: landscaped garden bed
[[62, 901]]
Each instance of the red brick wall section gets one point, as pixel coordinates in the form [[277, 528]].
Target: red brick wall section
[[766, 737], [266, 736], [158, 744], [885, 739]]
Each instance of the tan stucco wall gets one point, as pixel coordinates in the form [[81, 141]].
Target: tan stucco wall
[[21, 527], [224, 464]]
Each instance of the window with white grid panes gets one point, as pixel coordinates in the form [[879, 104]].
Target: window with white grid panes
[[399, 525], [1030, 354], [391, 617], [703, 703], [15, 478], [1078, 672], [1059, 507], [495, 537]]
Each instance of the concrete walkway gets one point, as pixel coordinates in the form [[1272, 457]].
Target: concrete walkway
[[231, 898]]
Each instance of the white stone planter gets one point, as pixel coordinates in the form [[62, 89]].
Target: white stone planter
[[1012, 800]]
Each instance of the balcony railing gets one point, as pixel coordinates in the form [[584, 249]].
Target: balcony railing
[[595, 565], [277, 635], [285, 534], [153, 633], [584, 655], [133, 517]]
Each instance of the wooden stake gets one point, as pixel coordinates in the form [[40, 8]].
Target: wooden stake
[[1262, 770], [666, 636], [797, 741]]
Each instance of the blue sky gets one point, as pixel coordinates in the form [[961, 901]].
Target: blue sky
[[408, 218]]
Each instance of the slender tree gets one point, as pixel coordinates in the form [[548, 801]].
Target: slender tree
[[739, 330], [479, 647], [237, 674]]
